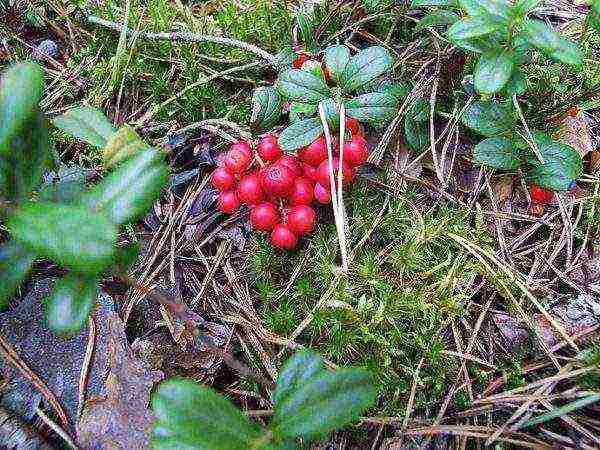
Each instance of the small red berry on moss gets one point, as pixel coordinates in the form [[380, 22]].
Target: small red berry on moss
[[221, 179], [355, 153], [322, 195], [541, 195], [236, 161], [243, 147], [301, 219], [264, 217], [249, 190], [302, 193], [228, 202], [291, 162], [284, 238], [347, 172], [277, 180], [269, 149], [314, 153]]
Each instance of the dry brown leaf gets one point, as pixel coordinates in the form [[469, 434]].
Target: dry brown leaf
[[121, 419]]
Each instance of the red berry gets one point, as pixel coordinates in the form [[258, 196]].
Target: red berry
[[541, 195], [302, 193], [300, 60], [222, 180], [243, 147], [277, 180], [347, 172], [314, 153], [353, 126], [322, 195], [264, 217], [292, 163], [310, 172], [301, 219], [228, 202], [269, 149], [283, 237], [236, 161], [355, 153], [249, 190]]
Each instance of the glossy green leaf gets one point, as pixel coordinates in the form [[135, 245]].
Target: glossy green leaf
[[420, 3], [21, 89], [15, 263], [473, 27], [191, 416], [522, 7], [498, 153], [68, 234], [307, 109], [490, 118], [419, 111], [267, 108], [376, 108], [121, 146], [416, 134], [541, 36], [499, 8], [366, 66], [562, 164], [87, 124], [336, 59], [67, 188], [313, 402], [472, 7], [436, 19], [300, 134], [130, 190], [476, 45], [568, 52], [492, 72], [302, 86], [70, 303], [517, 83], [297, 371]]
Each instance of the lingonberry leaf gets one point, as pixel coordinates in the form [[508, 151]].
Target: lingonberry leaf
[[365, 66], [567, 52], [551, 43], [499, 8], [472, 7], [489, 118], [419, 3], [522, 7], [70, 303], [267, 107], [130, 190], [436, 19], [302, 86], [15, 263], [336, 59], [307, 109], [473, 27], [493, 71], [562, 164], [70, 235], [498, 153], [21, 89], [313, 402], [191, 416], [121, 146], [416, 133], [476, 45], [87, 124], [300, 134], [517, 83], [332, 113], [376, 108]]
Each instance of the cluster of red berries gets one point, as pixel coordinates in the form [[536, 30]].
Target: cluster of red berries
[[280, 187]]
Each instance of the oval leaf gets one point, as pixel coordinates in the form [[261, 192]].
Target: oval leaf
[[493, 71], [498, 153], [489, 118], [562, 165], [300, 134], [416, 133], [297, 371], [551, 43], [87, 124], [436, 19], [365, 66], [472, 27], [15, 263], [121, 146], [68, 234], [336, 60], [267, 107], [376, 108], [302, 86], [70, 303]]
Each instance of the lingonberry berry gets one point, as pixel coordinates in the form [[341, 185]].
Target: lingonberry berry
[[347, 172], [228, 202], [355, 153], [269, 149], [322, 195], [541, 195], [302, 192], [310, 172], [264, 216], [292, 163], [301, 219], [236, 161], [300, 60], [277, 180], [314, 153], [283, 237], [221, 179], [243, 147], [249, 190]]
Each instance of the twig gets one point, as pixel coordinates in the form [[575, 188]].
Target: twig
[[56, 428], [85, 368], [532, 142], [17, 435]]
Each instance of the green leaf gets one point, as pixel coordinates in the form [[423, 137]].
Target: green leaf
[[563, 410], [67, 234], [472, 7], [568, 52], [493, 71], [489, 118], [365, 66], [68, 188], [302, 86], [419, 111], [87, 124], [473, 27], [127, 256], [517, 83], [500, 8], [70, 303], [437, 19], [300, 134], [121, 146], [21, 89], [474, 45], [307, 109], [416, 133], [312, 402], [562, 164], [522, 7], [376, 108], [419, 3], [191, 416], [130, 190], [332, 113], [267, 108], [551, 43], [336, 59], [15, 263], [498, 153]]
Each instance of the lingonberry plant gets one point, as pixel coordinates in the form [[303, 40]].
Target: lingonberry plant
[[309, 402], [75, 228]]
